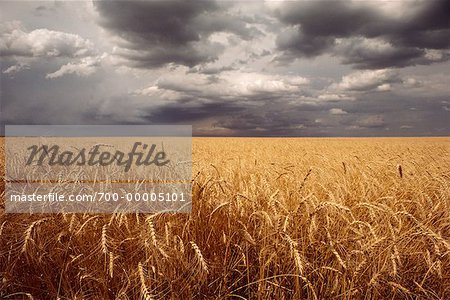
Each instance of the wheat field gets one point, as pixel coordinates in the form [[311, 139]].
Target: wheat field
[[272, 218]]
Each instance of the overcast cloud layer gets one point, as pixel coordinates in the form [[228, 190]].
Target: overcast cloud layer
[[275, 68]]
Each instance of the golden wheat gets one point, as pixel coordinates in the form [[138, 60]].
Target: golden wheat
[[271, 219]]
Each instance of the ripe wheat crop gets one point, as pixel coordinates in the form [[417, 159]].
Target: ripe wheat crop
[[272, 219]]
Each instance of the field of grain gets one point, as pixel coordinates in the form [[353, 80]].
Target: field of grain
[[272, 218]]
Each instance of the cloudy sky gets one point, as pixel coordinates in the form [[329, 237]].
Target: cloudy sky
[[275, 68]]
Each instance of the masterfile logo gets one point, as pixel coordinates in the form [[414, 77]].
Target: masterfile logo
[[96, 157]]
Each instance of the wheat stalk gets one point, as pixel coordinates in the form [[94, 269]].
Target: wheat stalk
[[104, 240], [199, 257], [28, 233], [295, 254], [152, 232], [144, 290], [333, 250], [111, 264]]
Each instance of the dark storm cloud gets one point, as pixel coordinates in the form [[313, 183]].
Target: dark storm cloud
[[270, 122], [392, 114], [75, 65], [383, 114], [280, 119], [296, 42], [402, 40], [43, 10], [212, 70], [161, 32], [189, 112], [30, 98], [361, 56]]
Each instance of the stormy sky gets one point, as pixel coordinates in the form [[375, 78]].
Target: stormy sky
[[230, 68]]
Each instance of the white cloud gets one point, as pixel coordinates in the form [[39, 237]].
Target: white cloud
[[228, 85], [368, 80], [335, 97], [412, 83], [337, 111], [384, 87], [436, 55], [27, 47], [372, 46], [85, 67], [16, 68], [41, 43], [371, 121], [257, 83]]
